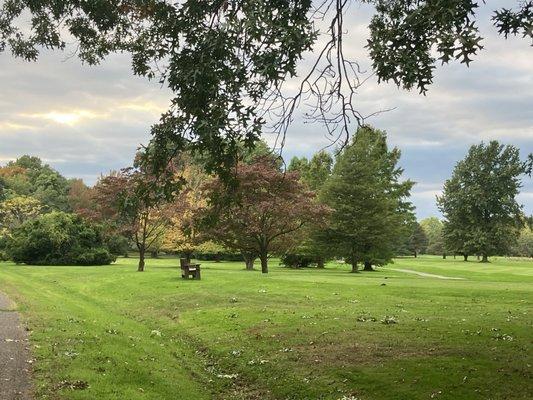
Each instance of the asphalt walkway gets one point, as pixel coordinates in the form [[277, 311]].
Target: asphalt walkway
[[15, 358]]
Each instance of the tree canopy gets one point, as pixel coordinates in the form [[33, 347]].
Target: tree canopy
[[482, 215], [369, 202], [433, 229], [267, 209], [226, 61]]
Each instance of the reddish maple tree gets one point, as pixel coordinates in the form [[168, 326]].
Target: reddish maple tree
[[137, 205], [262, 213]]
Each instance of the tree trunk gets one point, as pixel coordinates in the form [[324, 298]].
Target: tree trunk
[[142, 254], [155, 254], [355, 267], [485, 258], [368, 266], [465, 257], [416, 254], [126, 255], [444, 256], [320, 263], [249, 261], [477, 257], [264, 261]]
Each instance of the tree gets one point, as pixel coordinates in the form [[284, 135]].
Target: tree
[[80, 197], [14, 211], [17, 210], [524, 244], [263, 212], [138, 206], [418, 241], [226, 61], [298, 164], [58, 238], [28, 176], [479, 203], [183, 234], [314, 174], [370, 208], [433, 228]]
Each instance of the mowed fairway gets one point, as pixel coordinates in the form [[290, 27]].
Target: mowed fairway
[[113, 333]]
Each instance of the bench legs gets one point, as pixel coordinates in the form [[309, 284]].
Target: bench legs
[[193, 274]]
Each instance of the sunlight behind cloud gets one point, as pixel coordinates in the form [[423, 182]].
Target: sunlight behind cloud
[[68, 118]]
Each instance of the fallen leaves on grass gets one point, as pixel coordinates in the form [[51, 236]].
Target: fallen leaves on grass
[[228, 376], [73, 385], [389, 320], [366, 318], [503, 336], [71, 354]]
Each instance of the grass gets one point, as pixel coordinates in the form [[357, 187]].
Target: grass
[[294, 334]]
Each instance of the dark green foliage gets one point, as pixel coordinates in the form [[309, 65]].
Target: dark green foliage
[[117, 244], [479, 203], [418, 240], [226, 61], [293, 260], [370, 208], [260, 150], [511, 22], [3, 189], [58, 238], [219, 256], [31, 177], [315, 172], [408, 37]]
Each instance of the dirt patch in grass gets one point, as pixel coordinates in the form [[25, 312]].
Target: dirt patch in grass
[[344, 353]]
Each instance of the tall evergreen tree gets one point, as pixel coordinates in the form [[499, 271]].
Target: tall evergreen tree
[[418, 240], [370, 208], [479, 200]]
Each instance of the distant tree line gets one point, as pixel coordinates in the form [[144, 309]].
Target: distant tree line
[[353, 207]]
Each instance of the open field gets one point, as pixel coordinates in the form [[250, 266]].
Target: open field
[[112, 333]]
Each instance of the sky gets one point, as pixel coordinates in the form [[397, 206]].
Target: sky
[[85, 121]]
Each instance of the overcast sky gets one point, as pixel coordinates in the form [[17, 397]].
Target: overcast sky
[[85, 121]]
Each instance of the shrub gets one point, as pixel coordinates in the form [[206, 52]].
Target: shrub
[[118, 245], [219, 256], [292, 260], [58, 238]]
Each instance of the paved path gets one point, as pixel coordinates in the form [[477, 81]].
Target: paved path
[[14, 355], [410, 271]]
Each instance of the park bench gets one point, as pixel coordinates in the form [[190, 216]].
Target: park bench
[[188, 269]]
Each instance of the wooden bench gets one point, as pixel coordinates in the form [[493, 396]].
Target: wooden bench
[[188, 269]]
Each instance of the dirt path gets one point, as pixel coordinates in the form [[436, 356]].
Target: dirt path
[[410, 271], [14, 355]]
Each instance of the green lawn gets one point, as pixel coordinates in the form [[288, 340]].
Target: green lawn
[[294, 334]]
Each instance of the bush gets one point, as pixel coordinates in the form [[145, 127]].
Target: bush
[[58, 238], [220, 256], [297, 260], [118, 245]]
